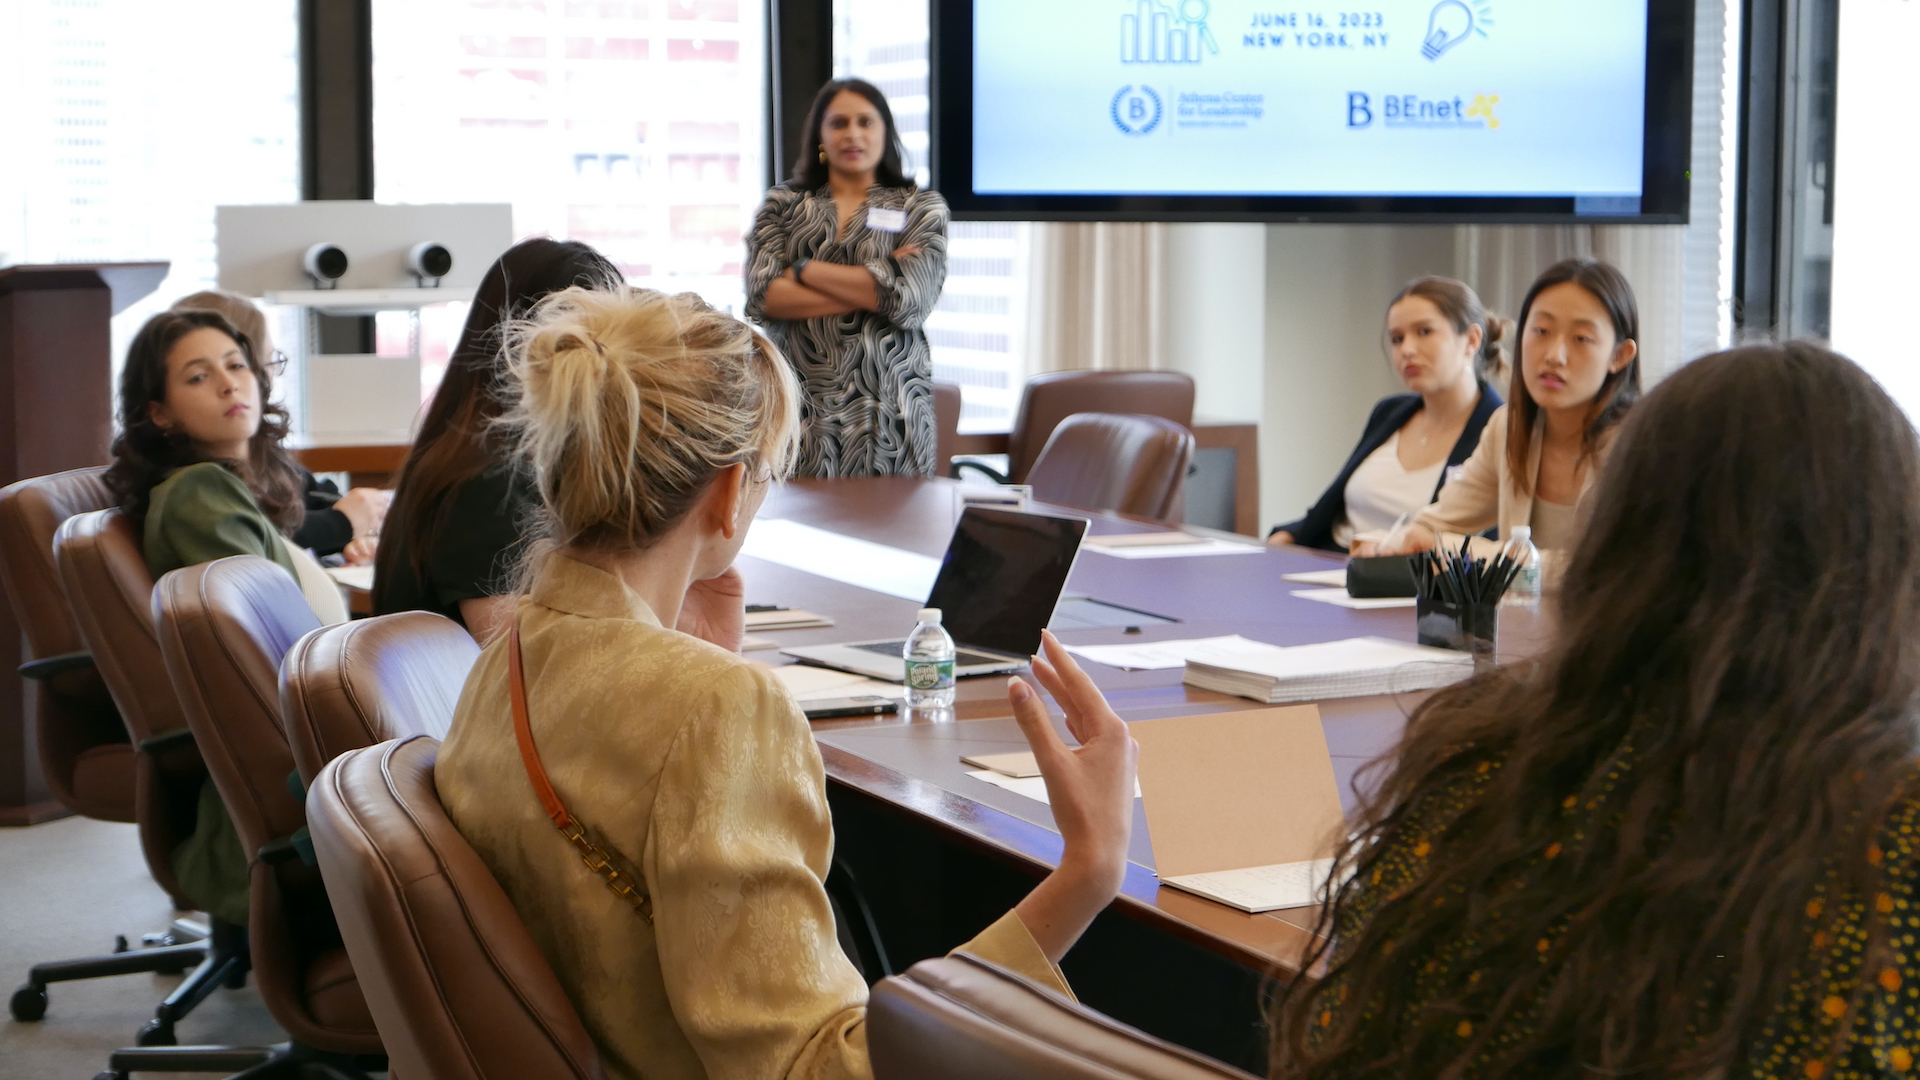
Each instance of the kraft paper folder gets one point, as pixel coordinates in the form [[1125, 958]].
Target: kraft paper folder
[[1243, 806]]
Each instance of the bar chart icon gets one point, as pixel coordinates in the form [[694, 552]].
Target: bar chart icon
[[1159, 33]]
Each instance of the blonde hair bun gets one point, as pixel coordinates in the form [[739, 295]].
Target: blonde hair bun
[[626, 402]]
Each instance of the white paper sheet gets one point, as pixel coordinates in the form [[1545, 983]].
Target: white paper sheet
[[1164, 538], [1213, 545], [1339, 598], [1033, 787], [906, 574], [353, 577], [808, 683], [1260, 888], [1160, 655], [1336, 578]]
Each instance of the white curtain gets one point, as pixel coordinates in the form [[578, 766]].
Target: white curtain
[[1098, 291]]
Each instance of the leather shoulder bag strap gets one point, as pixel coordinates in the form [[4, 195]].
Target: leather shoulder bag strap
[[619, 872]]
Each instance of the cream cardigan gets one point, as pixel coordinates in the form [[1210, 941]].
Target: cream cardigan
[[1483, 494]]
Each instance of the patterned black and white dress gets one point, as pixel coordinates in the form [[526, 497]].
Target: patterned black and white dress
[[866, 405]]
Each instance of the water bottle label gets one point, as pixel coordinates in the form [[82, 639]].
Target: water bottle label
[[929, 674]]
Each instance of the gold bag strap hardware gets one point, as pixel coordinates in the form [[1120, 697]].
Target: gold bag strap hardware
[[602, 858]]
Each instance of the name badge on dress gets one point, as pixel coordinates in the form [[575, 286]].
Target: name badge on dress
[[880, 219]]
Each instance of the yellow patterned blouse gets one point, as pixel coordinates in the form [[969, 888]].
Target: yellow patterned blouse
[[698, 766], [1814, 1034]]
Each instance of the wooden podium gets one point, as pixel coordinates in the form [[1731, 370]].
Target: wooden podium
[[56, 413]]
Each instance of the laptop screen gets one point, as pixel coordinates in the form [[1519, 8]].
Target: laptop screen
[[1002, 576]]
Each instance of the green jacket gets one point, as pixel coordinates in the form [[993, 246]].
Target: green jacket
[[197, 514], [204, 512]]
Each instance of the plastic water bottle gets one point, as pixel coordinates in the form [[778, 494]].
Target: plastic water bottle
[[1519, 548], [929, 658]]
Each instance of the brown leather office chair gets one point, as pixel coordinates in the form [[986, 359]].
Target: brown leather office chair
[[357, 683], [1050, 398], [961, 1018], [457, 985], [1129, 464], [224, 627], [109, 591], [89, 758], [946, 425]]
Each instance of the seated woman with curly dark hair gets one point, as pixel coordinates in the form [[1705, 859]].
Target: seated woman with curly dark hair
[[199, 466], [198, 462]]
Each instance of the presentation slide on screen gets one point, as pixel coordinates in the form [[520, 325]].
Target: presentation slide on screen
[[1234, 97]]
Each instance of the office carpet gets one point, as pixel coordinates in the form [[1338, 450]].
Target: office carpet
[[66, 888]]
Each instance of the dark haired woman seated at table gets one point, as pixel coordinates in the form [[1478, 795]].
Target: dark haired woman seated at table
[[1445, 348]]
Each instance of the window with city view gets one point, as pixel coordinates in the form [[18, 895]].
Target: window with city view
[[126, 125], [631, 125]]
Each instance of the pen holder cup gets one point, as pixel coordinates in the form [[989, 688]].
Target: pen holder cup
[[1469, 628]]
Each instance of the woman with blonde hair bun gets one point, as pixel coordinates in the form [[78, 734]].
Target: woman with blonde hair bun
[[615, 716]]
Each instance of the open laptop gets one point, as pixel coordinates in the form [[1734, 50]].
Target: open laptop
[[997, 588]]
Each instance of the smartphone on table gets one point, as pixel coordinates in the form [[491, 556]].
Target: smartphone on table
[[865, 705]]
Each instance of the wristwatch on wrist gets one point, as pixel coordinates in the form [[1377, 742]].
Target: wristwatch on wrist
[[800, 268]]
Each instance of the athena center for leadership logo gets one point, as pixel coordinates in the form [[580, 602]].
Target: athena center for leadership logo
[[1137, 110]]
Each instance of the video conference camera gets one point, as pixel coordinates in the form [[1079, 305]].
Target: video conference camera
[[429, 260], [326, 264]]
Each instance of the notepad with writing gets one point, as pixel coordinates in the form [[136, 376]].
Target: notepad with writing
[[1243, 807], [1354, 667]]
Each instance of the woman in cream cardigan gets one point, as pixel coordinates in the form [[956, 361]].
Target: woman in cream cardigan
[[1579, 373], [654, 425]]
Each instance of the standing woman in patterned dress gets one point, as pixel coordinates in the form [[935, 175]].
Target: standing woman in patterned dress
[[845, 264]]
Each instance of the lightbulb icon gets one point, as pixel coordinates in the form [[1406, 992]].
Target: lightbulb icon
[[1449, 25]]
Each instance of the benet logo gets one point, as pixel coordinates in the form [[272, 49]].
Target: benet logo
[[1414, 111], [1136, 110]]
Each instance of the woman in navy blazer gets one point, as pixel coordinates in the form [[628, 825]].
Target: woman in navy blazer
[[1446, 348]]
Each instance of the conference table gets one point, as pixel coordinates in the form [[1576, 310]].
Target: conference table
[[939, 854]]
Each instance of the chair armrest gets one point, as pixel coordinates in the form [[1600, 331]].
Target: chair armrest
[[48, 666], [166, 740], [996, 477], [299, 845]]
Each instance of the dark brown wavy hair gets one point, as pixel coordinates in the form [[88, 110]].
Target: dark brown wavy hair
[[454, 444], [1733, 686], [1617, 393], [810, 170], [143, 453]]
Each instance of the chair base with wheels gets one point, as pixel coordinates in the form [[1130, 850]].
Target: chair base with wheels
[[225, 964], [172, 952], [287, 1061]]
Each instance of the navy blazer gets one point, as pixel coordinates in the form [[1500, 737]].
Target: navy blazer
[[1389, 416]]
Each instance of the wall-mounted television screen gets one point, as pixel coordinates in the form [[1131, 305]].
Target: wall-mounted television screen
[[1291, 110]]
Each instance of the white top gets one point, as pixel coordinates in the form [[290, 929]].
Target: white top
[[1556, 526], [1380, 490]]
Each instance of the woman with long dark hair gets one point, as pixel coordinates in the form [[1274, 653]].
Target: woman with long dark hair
[[452, 535], [845, 263], [1578, 374], [1682, 844], [199, 467], [335, 524]]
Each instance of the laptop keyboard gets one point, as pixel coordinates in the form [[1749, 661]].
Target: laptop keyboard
[[962, 657]]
